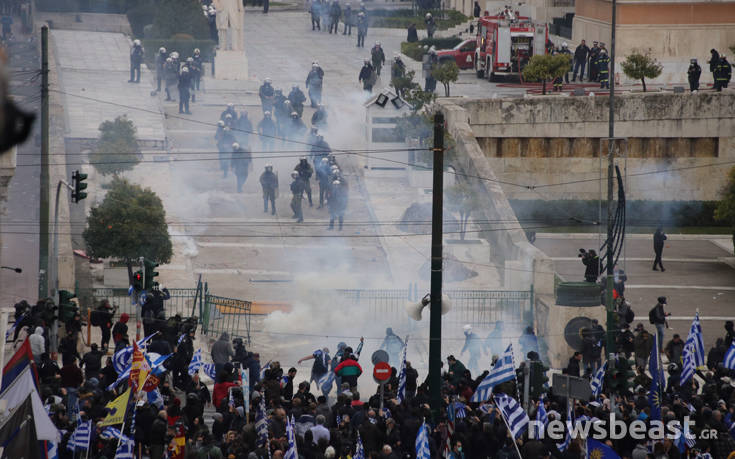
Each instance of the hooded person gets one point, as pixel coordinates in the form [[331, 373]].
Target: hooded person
[[222, 352], [393, 345], [38, 344], [474, 345]]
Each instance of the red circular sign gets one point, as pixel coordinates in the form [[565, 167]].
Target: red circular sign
[[381, 372]]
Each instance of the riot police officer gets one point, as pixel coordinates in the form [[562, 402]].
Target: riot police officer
[[297, 194], [267, 131], [136, 58], [693, 74], [305, 172], [240, 163], [269, 183]]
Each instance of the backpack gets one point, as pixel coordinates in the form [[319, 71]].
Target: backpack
[[652, 315], [629, 315]]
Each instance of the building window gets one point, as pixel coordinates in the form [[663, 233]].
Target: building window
[[387, 135]]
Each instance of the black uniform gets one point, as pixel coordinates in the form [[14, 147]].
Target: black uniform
[[244, 128], [347, 14], [225, 139], [367, 77], [378, 57], [337, 202], [305, 172], [269, 183], [602, 67], [658, 248], [314, 82], [297, 192], [580, 61], [693, 74], [362, 26], [319, 117], [267, 130], [197, 69], [297, 99], [136, 58], [160, 66], [594, 53], [322, 176], [240, 164], [184, 91], [266, 94], [723, 72], [315, 11], [430, 26], [335, 11]]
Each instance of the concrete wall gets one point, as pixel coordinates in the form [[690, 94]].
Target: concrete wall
[[524, 264], [547, 140]]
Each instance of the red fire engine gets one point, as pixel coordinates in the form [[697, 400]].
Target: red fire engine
[[505, 44]]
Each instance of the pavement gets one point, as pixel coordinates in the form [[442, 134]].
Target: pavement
[[699, 276]]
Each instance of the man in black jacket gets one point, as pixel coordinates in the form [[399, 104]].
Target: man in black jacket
[[580, 60], [658, 247], [573, 366]]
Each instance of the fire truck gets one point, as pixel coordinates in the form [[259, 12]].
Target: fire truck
[[505, 44]]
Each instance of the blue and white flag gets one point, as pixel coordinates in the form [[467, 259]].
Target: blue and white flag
[[52, 450], [568, 438], [326, 381], [542, 418], [155, 398], [261, 424], [81, 437], [196, 362], [597, 380], [245, 386], [124, 357], [459, 410], [291, 452], [729, 361], [181, 338], [359, 449], [15, 324], [687, 364], [263, 368], [112, 433], [156, 361], [422, 443], [504, 370], [126, 449], [208, 369], [693, 354], [402, 375], [514, 415]]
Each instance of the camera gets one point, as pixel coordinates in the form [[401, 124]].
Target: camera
[[582, 253]]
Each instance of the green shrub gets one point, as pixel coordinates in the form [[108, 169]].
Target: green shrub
[[87, 6], [141, 16], [401, 19], [117, 147], [179, 17]]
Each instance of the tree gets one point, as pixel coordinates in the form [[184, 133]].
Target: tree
[[640, 66], [446, 73], [725, 210], [117, 147], [411, 91], [130, 223], [462, 198], [180, 17], [545, 67]]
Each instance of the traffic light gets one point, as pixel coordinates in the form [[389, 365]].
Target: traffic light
[[67, 308], [539, 380], [138, 281], [150, 274], [625, 376], [77, 181]]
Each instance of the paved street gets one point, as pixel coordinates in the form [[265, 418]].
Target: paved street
[[699, 275]]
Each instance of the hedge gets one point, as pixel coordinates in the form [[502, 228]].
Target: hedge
[[638, 213], [401, 19], [87, 6], [141, 16], [417, 50]]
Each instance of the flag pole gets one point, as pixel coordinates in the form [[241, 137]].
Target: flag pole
[[508, 426]]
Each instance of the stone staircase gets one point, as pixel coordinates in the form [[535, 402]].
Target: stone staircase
[[460, 30]]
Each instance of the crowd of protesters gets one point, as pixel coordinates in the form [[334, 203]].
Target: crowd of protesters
[[249, 414]]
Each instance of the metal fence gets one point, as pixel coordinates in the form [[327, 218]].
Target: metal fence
[[219, 315], [481, 308]]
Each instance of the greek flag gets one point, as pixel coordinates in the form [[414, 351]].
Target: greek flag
[[459, 410], [597, 379], [729, 361], [81, 437], [693, 355], [112, 433], [513, 413], [291, 453], [15, 324], [263, 368], [422, 443], [125, 450], [181, 338], [261, 424], [568, 438], [402, 375], [208, 369], [504, 370], [359, 450], [155, 398], [52, 450], [541, 418], [124, 357], [325, 382]]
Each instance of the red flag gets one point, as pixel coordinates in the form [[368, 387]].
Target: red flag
[[135, 367]]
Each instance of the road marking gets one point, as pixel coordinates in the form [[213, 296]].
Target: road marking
[[669, 260], [259, 272], [680, 287], [701, 318]]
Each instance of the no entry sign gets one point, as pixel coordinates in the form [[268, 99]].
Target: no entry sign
[[381, 373]]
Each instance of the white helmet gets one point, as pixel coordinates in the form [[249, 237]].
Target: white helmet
[[564, 44], [269, 166], [325, 160], [228, 116], [189, 59], [221, 123], [185, 70], [294, 115], [169, 60], [136, 42], [294, 174], [266, 113], [268, 80], [230, 105], [334, 167], [336, 182], [235, 146], [377, 43], [196, 51], [175, 55], [428, 15], [162, 50], [467, 327]]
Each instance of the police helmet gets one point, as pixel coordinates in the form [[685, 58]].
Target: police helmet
[[212, 12], [190, 59], [266, 113], [467, 327], [377, 43], [196, 51], [228, 116], [334, 167], [230, 105], [603, 51], [295, 86], [336, 182], [136, 42], [294, 115], [564, 44], [692, 61], [294, 174], [227, 129], [268, 166], [303, 158], [162, 50], [268, 81], [235, 146], [361, 13], [325, 160], [366, 62], [221, 123], [185, 70], [169, 60], [175, 55], [428, 15]]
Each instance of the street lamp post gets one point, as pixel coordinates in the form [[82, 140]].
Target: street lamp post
[[17, 270], [435, 324]]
